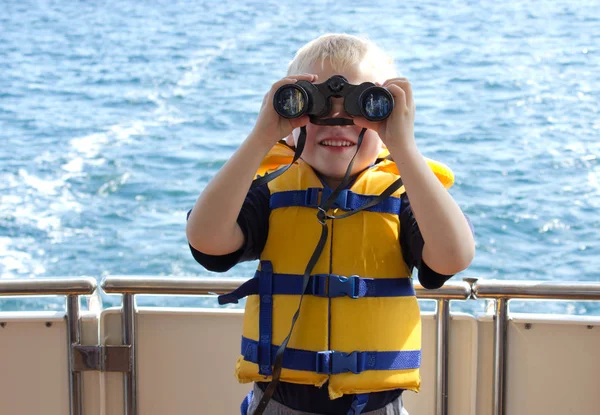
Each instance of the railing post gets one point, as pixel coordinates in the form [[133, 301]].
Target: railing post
[[72, 288], [73, 338], [442, 323], [500, 327], [130, 379]]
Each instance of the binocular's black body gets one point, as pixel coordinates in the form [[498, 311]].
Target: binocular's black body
[[366, 100]]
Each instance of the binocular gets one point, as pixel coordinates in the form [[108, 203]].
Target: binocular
[[366, 100]]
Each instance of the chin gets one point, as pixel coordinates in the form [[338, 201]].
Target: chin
[[334, 174]]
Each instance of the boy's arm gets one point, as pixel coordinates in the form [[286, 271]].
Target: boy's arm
[[448, 242], [212, 226], [411, 242], [253, 220]]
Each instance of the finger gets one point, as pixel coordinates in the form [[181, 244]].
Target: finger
[[364, 123], [392, 80], [300, 121], [399, 95], [396, 82], [301, 77], [284, 81], [305, 76], [406, 87], [264, 100]]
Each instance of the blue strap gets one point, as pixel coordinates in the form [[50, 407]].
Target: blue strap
[[325, 285], [358, 403], [332, 362], [265, 322], [246, 403], [346, 200]]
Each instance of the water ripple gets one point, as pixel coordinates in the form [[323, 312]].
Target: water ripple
[[115, 115]]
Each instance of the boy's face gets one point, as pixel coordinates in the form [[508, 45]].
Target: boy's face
[[329, 149]]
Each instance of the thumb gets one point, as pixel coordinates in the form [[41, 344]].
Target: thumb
[[364, 123], [300, 121]]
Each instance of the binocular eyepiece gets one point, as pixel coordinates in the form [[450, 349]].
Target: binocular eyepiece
[[366, 100]]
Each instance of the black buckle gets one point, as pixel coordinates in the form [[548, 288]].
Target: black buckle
[[330, 362]]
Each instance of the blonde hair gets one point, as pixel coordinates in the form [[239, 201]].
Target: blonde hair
[[342, 51]]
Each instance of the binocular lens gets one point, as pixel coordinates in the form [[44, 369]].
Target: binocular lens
[[290, 101], [377, 104]]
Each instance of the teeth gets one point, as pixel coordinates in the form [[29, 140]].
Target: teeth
[[335, 143]]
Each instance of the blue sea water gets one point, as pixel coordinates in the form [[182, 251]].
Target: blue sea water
[[115, 114]]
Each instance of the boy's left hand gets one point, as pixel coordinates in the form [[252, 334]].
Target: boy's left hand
[[398, 128]]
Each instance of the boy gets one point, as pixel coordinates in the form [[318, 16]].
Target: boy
[[356, 343]]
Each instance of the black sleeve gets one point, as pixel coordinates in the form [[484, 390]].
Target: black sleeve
[[412, 243], [254, 222]]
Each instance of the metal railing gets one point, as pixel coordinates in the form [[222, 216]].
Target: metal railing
[[499, 291], [72, 288], [503, 291], [130, 286]]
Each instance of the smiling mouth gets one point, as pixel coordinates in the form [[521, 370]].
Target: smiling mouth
[[336, 143]]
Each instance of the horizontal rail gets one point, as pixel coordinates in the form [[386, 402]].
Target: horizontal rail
[[451, 290], [165, 285], [454, 290], [47, 286], [204, 286], [496, 289]]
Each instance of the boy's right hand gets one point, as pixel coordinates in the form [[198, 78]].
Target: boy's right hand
[[272, 127]]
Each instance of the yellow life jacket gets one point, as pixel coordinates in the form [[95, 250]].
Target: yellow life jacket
[[359, 327]]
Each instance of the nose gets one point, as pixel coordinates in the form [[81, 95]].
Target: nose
[[337, 108]]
